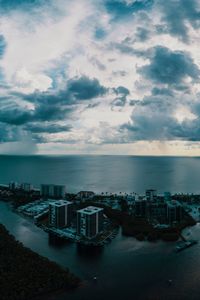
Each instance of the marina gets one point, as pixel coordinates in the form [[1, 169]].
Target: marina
[[182, 245]]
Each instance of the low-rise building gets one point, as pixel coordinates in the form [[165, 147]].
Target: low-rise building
[[85, 195], [151, 195]]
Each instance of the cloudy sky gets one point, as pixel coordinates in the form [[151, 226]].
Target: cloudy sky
[[100, 77]]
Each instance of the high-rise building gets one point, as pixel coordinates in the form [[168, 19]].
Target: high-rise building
[[13, 185], [157, 211], [174, 211], [60, 213], [27, 187], [53, 191], [151, 195], [140, 208], [89, 221]]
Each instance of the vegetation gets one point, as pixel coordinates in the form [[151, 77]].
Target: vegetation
[[18, 197], [25, 274], [141, 228]]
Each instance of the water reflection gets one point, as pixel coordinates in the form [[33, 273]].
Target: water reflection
[[56, 242], [89, 252]]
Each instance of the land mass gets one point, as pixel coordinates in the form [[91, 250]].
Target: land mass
[[25, 274]]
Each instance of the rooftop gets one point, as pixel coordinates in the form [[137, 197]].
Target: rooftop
[[90, 210], [173, 203], [60, 202]]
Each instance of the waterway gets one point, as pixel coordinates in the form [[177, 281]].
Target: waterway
[[125, 268]]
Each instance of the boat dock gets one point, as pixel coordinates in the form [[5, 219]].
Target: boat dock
[[184, 244]]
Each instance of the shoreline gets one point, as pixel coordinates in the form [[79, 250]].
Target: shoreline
[[31, 274]]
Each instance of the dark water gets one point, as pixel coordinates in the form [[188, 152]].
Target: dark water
[[105, 173], [126, 268]]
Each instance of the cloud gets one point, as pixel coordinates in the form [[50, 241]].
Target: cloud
[[121, 98], [170, 67], [162, 91], [84, 88], [91, 72], [142, 34], [179, 15], [158, 119], [15, 115], [12, 4], [49, 107], [2, 45], [47, 128], [121, 9], [125, 48]]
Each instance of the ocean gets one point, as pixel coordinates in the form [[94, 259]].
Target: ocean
[[105, 173], [125, 268]]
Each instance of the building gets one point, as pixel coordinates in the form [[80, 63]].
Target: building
[[85, 195], [53, 191], [140, 208], [174, 211], [90, 221], [60, 213], [167, 196], [27, 187], [13, 186], [151, 195], [157, 211]]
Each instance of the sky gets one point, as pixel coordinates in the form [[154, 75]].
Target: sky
[[100, 77]]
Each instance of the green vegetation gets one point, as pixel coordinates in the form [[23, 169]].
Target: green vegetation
[[18, 197], [25, 274], [141, 228]]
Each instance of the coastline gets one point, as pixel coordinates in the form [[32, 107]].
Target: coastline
[[31, 274]]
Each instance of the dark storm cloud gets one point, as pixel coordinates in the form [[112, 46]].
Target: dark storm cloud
[[76, 90], [120, 9], [178, 14], [121, 98], [169, 67], [8, 5], [15, 115], [51, 106], [47, 128], [84, 88]]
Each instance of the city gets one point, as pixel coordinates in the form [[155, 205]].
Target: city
[[94, 219]]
